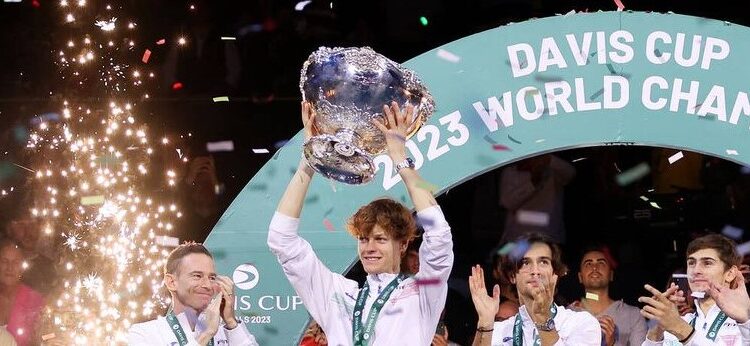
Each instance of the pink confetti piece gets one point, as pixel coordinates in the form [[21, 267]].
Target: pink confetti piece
[[161, 42], [620, 5], [427, 282], [213, 147], [448, 56], [500, 147], [146, 55], [329, 226], [533, 218]]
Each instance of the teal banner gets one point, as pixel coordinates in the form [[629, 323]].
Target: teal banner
[[586, 79]]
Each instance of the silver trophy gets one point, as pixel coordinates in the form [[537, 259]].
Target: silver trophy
[[347, 88]]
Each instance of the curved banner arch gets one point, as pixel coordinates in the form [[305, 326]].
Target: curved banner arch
[[586, 79]]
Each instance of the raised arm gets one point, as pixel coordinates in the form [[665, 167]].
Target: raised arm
[[294, 196], [316, 285], [395, 131]]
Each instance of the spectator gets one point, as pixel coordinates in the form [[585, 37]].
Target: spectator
[[20, 305]]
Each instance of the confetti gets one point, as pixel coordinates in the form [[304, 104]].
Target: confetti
[[532, 218], [228, 38], [592, 296], [260, 151], [632, 175], [177, 86], [167, 241], [161, 42], [489, 140], [146, 55], [519, 250], [507, 248], [92, 200], [221, 99], [427, 186], [620, 5], [676, 157], [698, 295], [49, 336], [732, 152], [500, 147], [301, 5], [448, 56], [579, 159], [596, 94], [743, 249], [213, 147], [732, 232], [329, 226], [514, 140], [280, 144], [655, 205], [427, 282], [679, 276]]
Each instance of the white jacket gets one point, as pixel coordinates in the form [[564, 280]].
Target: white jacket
[[410, 315], [158, 333], [731, 333], [575, 328]]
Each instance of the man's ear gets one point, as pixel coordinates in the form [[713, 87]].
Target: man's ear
[[170, 281], [731, 274], [403, 246], [512, 278]]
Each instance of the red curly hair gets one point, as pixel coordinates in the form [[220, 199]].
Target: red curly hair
[[391, 216]]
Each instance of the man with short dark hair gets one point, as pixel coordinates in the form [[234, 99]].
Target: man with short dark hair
[[197, 294], [722, 304], [621, 324], [539, 320]]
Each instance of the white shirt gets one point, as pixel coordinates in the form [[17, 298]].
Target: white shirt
[[158, 332], [411, 314], [731, 333], [575, 328]]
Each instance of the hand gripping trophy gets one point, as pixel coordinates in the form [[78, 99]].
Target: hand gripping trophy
[[347, 88]]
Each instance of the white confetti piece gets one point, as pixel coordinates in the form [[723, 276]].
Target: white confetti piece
[[676, 157], [92, 200], [732, 232], [732, 152], [260, 151], [301, 5], [698, 295], [167, 241], [743, 249], [679, 276], [213, 147], [448, 56], [653, 204], [221, 99], [533, 218], [228, 38], [592, 296]]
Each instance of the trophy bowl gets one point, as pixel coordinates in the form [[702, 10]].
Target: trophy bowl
[[347, 89]]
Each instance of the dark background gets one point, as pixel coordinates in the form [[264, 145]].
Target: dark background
[[273, 39]]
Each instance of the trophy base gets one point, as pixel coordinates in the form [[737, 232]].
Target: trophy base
[[339, 160]]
